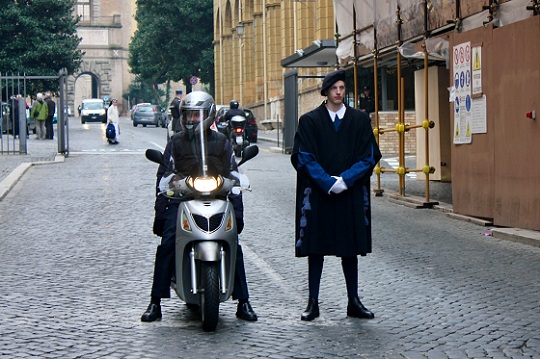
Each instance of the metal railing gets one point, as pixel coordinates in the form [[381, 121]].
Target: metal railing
[[15, 121]]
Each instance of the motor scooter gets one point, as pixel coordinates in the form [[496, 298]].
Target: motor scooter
[[206, 235], [237, 128]]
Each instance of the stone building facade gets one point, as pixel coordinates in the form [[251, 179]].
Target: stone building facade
[[251, 37], [106, 28]]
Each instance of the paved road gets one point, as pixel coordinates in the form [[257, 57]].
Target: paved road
[[77, 255]]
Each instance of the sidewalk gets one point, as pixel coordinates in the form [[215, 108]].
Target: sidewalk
[[440, 192], [13, 166]]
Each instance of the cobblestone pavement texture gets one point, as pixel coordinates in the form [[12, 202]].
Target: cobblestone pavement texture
[[77, 255]]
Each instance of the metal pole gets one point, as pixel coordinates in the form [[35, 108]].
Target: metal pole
[[426, 132], [61, 113]]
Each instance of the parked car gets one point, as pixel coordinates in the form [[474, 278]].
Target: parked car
[[220, 123], [148, 114], [93, 110], [252, 130]]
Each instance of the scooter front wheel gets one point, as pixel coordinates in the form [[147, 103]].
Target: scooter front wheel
[[210, 296]]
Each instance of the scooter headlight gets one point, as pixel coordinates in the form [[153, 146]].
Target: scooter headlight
[[205, 184]]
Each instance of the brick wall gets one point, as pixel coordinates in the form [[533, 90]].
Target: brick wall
[[388, 142]]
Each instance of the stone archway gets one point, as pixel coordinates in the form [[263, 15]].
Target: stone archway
[[100, 70]]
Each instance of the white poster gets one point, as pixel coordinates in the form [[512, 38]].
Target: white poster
[[461, 61], [478, 115]]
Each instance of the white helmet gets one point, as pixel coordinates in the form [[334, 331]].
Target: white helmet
[[197, 104]]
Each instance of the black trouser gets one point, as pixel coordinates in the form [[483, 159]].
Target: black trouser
[[165, 262], [350, 272], [49, 127]]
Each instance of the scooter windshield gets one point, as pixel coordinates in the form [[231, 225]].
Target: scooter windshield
[[194, 122]]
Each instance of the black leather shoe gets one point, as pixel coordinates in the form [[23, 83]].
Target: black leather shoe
[[152, 313], [312, 310], [356, 309], [245, 312]]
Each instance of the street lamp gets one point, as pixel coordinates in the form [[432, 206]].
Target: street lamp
[[240, 33], [240, 29]]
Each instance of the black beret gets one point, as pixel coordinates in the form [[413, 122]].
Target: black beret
[[331, 79]]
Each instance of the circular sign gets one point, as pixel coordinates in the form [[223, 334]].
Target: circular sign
[[193, 80]]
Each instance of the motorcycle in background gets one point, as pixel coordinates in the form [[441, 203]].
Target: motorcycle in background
[[237, 132], [206, 235]]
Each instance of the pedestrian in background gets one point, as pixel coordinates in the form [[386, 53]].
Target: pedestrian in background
[[51, 107], [334, 154], [14, 118], [367, 103], [114, 118], [175, 111], [39, 114]]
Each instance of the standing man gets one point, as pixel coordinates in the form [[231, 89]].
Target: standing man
[[175, 111], [14, 118], [367, 104], [39, 114], [51, 107], [334, 155]]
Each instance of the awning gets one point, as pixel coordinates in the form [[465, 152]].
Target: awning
[[321, 53]]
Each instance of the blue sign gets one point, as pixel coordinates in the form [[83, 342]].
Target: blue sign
[[456, 104], [456, 80], [468, 103], [462, 79]]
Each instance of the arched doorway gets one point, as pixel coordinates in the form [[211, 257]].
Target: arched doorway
[[86, 86], [92, 81]]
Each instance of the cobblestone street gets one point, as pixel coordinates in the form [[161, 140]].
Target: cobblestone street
[[76, 262]]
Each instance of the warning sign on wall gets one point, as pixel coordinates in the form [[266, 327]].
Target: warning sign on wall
[[476, 70], [461, 64]]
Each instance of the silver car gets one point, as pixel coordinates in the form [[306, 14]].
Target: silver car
[[147, 114]]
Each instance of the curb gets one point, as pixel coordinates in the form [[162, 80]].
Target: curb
[[9, 182]]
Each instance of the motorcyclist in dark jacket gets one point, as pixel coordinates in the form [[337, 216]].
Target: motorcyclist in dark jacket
[[234, 110], [182, 157]]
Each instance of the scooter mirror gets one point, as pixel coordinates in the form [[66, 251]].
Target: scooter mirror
[[154, 156], [248, 153]]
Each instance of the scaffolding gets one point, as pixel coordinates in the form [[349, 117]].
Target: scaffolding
[[377, 29]]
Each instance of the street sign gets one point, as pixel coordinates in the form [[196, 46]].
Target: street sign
[[193, 80]]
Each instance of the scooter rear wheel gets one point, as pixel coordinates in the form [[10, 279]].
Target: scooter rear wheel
[[210, 296]]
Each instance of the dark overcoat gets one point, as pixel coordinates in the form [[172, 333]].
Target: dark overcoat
[[333, 224]]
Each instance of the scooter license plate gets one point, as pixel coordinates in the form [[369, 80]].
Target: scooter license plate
[[239, 140]]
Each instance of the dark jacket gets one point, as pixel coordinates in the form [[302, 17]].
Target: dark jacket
[[51, 106], [233, 112], [334, 224], [180, 158]]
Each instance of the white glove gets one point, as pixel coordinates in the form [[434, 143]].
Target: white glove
[[339, 186], [164, 182]]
